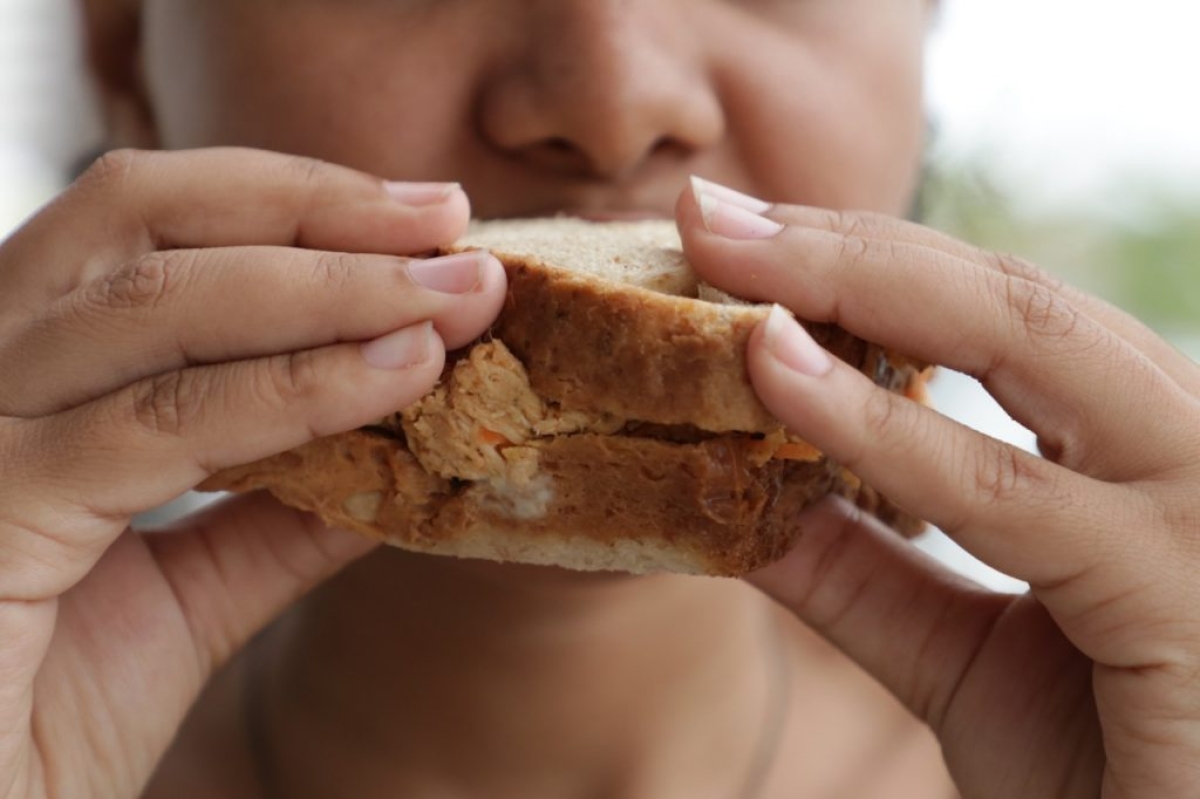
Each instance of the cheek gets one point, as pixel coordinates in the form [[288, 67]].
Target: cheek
[[335, 86], [823, 107], [836, 120]]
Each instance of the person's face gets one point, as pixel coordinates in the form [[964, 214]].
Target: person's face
[[540, 106]]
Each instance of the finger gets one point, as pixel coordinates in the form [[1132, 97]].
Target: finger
[[130, 203], [235, 565], [905, 618], [175, 309], [160, 613], [938, 642], [1081, 388], [88, 470], [882, 228], [1025, 516]]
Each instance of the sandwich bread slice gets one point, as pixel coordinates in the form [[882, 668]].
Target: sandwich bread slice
[[606, 422]]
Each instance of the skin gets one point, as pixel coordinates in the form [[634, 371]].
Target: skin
[[255, 279], [1087, 682]]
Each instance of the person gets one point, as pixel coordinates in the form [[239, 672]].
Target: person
[[247, 281]]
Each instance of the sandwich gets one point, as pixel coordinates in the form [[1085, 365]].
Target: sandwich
[[605, 422]]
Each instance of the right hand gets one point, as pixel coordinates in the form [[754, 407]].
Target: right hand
[[170, 315]]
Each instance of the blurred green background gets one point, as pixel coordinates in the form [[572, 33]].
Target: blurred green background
[[1137, 245]]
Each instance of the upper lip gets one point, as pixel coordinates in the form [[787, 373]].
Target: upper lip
[[593, 205], [593, 211], [613, 214]]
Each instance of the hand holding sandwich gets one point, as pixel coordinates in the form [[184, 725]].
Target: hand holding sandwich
[[171, 314], [1088, 682], [175, 314]]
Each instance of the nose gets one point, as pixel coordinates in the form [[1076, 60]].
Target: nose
[[597, 88]]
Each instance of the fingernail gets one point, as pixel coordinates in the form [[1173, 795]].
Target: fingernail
[[792, 346], [732, 214], [701, 187], [460, 273], [421, 194], [404, 348]]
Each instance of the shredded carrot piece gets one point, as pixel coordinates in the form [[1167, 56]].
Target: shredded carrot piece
[[492, 438], [798, 451]]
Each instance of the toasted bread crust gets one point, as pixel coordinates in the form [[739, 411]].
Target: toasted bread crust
[[641, 347], [652, 341], [633, 497]]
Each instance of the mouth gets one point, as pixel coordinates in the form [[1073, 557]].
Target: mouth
[[615, 216], [597, 214]]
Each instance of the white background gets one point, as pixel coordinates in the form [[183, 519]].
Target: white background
[[1071, 97]]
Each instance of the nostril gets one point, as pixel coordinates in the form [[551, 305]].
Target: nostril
[[557, 153], [564, 153], [668, 146]]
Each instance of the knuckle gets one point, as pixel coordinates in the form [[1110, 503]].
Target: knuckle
[[1014, 266], [1018, 268], [1003, 475], [831, 599], [821, 596], [334, 270], [113, 169], [145, 283], [888, 421], [864, 240], [996, 477], [880, 417], [308, 171], [847, 223], [288, 379], [1039, 312], [861, 225], [853, 252], [168, 404]]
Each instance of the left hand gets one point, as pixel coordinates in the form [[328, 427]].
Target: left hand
[[1087, 685]]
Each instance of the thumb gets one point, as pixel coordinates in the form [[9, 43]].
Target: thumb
[[906, 619], [235, 565]]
